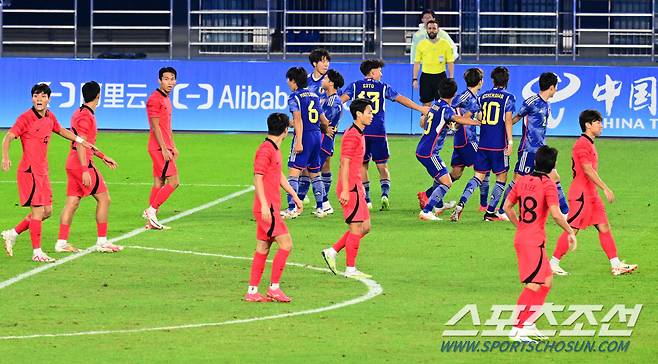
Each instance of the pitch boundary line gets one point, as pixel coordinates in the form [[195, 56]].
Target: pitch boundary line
[[148, 184]]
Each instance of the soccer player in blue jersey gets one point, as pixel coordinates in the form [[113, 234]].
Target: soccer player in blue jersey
[[376, 91], [309, 122], [435, 129], [495, 143], [535, 112], [333, 108]]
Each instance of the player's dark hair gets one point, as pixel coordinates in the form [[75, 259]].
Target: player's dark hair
[[90, 90], [360, 106], [447, 88], [588, 116], [336, 78], [299, 75], [432, 22], [40, 88], [427, 11], [473, 76], [163, 70], [500, 76], [546, 80], [317, 54], [369, 65], [545, 159], [277, 123]]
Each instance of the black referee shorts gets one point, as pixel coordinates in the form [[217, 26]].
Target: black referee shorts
[[429, 86]]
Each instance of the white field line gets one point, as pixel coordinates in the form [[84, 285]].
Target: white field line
[[374, 289], [149, 184], [128, 235]]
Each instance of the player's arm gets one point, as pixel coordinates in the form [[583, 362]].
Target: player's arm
[[67, 134], [414, 75], [508, 206], [260, 194], [288, 188], [451, 68], [516, 118], [344, 180], [6, 141], [298, 126], [508, 131], [593, 176], [157, 133], [344, 98], [562, 222], [403, 100], [326, 127], [465, 120]]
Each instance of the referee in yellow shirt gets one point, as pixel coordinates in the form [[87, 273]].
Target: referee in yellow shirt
[[435, 55]]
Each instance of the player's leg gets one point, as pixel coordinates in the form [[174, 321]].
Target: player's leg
[[380, 155], [442, 180], [474, 183], [484, 192], [66, 218], [278, 264], [326, 179], [103, 202], [500, 166], [39, 214], [366, 183], [561, 248], [357, 231], [329, 254], [501, 212], [293, 179], [314, 167], [609, 246], [165, 175], [385, 184], [304, 185], [256, 273], [564, 206], [10, 236]]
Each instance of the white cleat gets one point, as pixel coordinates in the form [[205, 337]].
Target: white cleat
[[533, 332], [290, 214], [9, 236], [517, 334], [456, 214], [319, 213], [326, 206], [446, 206], [66, 248], [306, 200], [557, 270], [42, 258], [108, 248], [356, 274], [623, 268], [503, 216], [152, 220], [369, 204], [428, 216]]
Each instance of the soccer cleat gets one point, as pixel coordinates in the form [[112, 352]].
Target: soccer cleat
[[326, 206], [108, 248], [557, 270], [256, 297], [623, 268], [330, 259], [369, 204], [422, 199], [319, 213], [42, 258], [483, 208], [428, 216], [533, 332], [490, 216], [517, 334], [456, 214], [10, 239], [446, 206], [306, 200], [66, 248], [152, 220], [386, 206], [290, 214], [277, 295], [502, 217], [356, 274]]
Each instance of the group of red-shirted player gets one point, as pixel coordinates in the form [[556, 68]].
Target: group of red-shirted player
[[35, 126]]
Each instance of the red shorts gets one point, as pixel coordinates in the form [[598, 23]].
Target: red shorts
[[586, 210], [34, 189], [267, 231], [356, 208], [74, 186], [533, 263], [162, 168]]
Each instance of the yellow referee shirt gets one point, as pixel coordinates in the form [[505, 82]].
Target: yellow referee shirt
[[433, 56]]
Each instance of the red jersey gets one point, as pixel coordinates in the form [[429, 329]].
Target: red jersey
[[583, 152], [159, 106], [268, 164], [34, 131], [353, 146], [534, 193], [83, 122]]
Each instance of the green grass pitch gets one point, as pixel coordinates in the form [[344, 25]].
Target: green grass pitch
[[428, 271]]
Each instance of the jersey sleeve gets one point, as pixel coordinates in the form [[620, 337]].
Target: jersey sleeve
[[262, 161], [550, 193], [583, 155], [509, 104], [56, 126], [449, 113], [390, 93], [449, 55], [293, 104], [350, 90], [20, 127], [82, 124], [524, 110], [153, 108]]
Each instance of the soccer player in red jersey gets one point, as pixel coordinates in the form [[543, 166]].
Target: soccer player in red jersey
[[83, 178], [350, 191], [34, 127], [270, 227], [587, 207], [161, 146], [536, 195]]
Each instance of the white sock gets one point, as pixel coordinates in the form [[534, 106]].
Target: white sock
[[615, 262], [350, 269], [252, 289], [274, 286], [332, 252], [151, 210], [555, 261], [37, 251], [101, 240], [14, 232]]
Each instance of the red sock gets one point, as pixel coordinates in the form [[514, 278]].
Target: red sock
[[278, 264], [608, 244], [154, 192], [257, 267], [352, 248], [35, 233], [64, 232], [562, 246], [340, 244], [102, 229], [525, 300], [538, 299], [162, 196], [23, 225]]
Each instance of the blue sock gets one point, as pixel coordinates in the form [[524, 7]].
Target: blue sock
[[484, 190], [304, 184], [326, 179], [502, 201], [472, 184], [497, 193], [429, 191], [436, 197], [564, 206], [366, 186], [386, 186], [294, 183], [318, 191]]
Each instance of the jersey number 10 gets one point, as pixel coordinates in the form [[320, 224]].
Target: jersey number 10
[[491, 113]]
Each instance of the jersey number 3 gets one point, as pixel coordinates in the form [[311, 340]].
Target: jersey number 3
[[372, 96]]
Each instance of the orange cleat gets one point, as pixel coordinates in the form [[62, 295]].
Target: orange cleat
[[277, 295], [256, 297], [422, 199]]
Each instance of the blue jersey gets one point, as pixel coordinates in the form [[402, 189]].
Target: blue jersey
[[377, 92], [495, 104], [436, 129], [333, 108], [466, 102], [308, 104], [535, 112], [314, 85]]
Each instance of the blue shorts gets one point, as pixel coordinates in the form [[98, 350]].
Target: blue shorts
[[327, 149], [434, 166], [376, 149], [324, 156], [491, 160], [525, 164], [464, 156], [309, 158]]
